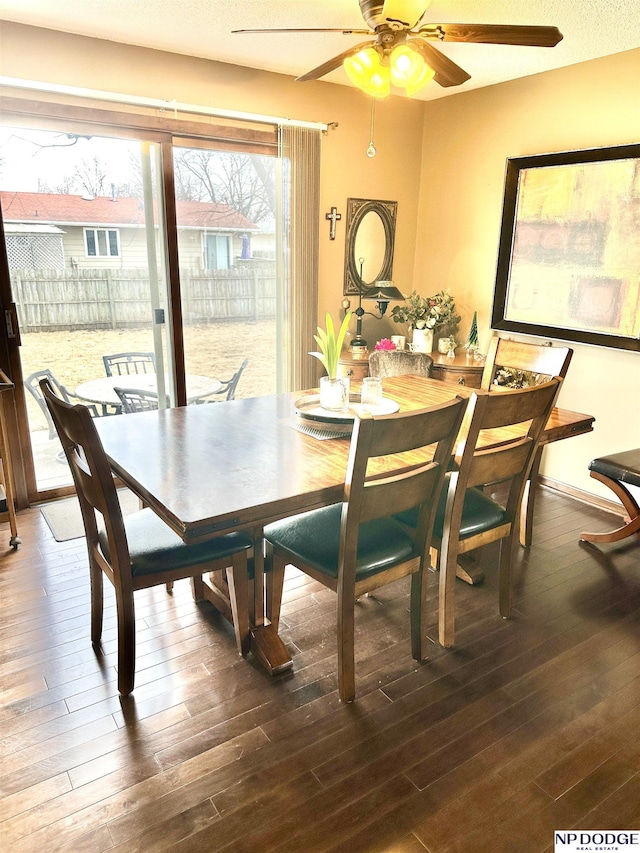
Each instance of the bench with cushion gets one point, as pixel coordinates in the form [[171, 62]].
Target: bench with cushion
[[618, 472]]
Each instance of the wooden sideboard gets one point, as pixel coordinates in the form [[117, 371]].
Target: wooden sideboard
[[459, 370], [353, 366]]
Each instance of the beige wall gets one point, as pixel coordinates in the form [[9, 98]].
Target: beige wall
[[44, 55], [467, 140], [442, 161]]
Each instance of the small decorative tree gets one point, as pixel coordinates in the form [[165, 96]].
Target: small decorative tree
[[472, 341]]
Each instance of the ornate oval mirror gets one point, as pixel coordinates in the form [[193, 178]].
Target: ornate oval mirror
[[370, 238]]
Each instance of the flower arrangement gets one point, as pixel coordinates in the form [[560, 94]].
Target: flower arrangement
[[430, 312], [511, 377], [386, 345], [330, 344]]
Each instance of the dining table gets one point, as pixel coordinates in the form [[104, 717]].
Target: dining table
[[212, 469], [102, 390]]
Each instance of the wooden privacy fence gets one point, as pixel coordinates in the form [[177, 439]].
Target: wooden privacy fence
[[54, 300]]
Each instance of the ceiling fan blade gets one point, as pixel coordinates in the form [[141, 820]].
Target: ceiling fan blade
[[308, 30], [494, 34], [447, 72], [332, 64]]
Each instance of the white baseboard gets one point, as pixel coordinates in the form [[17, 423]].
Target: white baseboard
[[582, 496]]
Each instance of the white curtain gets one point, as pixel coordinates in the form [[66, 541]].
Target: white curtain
[[298, 228]]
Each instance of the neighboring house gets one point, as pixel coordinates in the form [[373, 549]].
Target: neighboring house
[[56, 231]]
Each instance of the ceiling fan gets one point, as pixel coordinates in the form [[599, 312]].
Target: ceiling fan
[[401, 52]]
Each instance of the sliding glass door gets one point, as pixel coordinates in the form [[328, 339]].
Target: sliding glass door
[[130, 239], [85, 241], [226, 218]]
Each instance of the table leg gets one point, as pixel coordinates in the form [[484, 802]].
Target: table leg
[[466, 567], [266, 644], [468, 570]]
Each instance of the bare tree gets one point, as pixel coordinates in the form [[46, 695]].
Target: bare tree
[[90, 176], [245, 182]]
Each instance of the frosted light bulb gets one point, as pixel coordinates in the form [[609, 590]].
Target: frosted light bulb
[[371, 151]]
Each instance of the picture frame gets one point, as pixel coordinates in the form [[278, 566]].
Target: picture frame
[[569, 253]]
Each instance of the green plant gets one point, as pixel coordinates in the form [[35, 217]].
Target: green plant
[[330, 344], [511, 377], [427, 312]]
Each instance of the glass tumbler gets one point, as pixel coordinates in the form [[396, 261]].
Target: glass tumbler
[[371, 393]]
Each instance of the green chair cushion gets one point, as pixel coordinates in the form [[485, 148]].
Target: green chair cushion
[[479, 513], [154, 547], [314, 538]]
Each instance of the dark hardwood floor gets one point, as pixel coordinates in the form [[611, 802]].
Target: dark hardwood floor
[[527, 726]]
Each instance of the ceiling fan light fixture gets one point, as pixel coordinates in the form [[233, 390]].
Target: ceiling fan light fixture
[[409, 70], [425, 77], [366, 71]]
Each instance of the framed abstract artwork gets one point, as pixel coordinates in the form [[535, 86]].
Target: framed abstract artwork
[[569, 254]]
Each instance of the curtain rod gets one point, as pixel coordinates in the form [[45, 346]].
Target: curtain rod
[[156, 103]]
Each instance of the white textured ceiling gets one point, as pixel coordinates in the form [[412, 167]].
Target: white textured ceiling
[[591, 28]]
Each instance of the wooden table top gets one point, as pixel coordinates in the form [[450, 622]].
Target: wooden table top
[[212, 468]]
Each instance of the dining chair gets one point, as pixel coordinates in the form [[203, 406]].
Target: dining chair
[[507, 361], [354, 547], [537, 362], [126, 363], [138, 551], [32, 384], [386, 363], [468, 517], [137, 399]]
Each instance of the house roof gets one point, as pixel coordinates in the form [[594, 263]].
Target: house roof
[[59, 209]]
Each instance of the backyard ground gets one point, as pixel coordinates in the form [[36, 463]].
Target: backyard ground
[[213, 349]]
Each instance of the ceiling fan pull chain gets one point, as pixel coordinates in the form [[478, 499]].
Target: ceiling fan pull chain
[[371, 151]]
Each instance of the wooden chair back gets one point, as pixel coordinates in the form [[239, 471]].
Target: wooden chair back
[[525, 411], [479, 462], [542, 361], [379, 479], [539, 364], [94, 483]]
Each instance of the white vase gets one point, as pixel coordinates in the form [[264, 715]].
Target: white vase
[[422, 340], [334, 393]]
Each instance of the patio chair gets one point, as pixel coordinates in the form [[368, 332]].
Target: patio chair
[[32, 384], [137, 399], [227, 391], [126, 363], [139, 550]]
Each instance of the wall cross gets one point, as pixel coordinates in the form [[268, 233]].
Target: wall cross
[[334, 216]]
